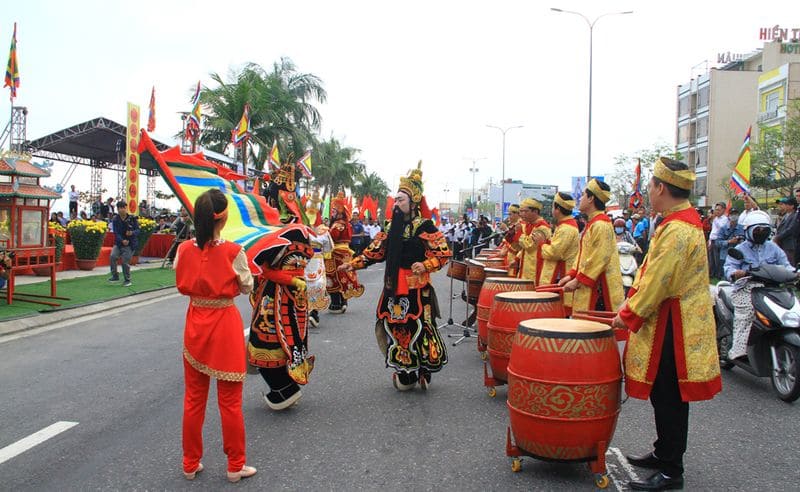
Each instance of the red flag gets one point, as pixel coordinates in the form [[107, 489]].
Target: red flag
[[635, 200], [387, 213], [151, 118], [728, 207]]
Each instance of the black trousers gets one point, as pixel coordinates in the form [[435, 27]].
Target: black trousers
[[672, 413]]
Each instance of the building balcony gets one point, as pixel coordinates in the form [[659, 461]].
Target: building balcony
[[776, 114]]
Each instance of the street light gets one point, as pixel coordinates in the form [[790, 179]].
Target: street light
[[474, 171], [503, 181], [591, 34]]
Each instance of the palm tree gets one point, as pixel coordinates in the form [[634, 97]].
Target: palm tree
[[336, 168], [281, 108], [373, 185]]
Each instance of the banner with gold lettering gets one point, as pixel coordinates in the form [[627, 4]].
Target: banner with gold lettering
[[132, 160]]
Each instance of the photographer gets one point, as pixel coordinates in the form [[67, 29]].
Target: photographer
[[729, 236]]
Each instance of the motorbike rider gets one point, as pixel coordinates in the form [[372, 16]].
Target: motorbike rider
[[623, 235], [756, 251]]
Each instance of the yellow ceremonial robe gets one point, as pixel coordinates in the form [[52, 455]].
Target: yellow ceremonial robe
[[672, 285], [529, 254], [597, 267], [559, 253]]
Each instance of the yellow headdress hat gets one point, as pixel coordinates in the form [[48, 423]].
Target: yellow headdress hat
[[567, 204], [285, 175], [513, 208], [683, 179], [341, 204], [531, 203], [411, 185], [594, 187]]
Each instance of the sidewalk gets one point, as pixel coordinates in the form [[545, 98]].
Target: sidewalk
[[91, 295]]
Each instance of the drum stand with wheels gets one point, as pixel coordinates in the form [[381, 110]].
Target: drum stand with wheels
[[450, 317]]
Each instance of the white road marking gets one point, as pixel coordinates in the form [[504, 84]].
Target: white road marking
[[626, 466], [34, 439]]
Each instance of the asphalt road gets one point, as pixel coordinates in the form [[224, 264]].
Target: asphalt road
[[120, 379]]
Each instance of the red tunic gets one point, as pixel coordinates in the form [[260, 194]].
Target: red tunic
[[213, 340]]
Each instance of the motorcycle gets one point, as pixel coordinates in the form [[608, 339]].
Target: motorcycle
[[773, 346], [627, 264]]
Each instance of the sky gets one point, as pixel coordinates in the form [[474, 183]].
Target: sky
[[405, 81]]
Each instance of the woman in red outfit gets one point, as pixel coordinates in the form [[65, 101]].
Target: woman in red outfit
[[212, 272]]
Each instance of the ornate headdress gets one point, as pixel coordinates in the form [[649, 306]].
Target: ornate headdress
[[341, 204], [683, 179], [603, 195], [531, 203], [285, 175], [411, 185], [513, 208], [567, 204]]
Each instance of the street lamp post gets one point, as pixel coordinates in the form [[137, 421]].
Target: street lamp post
[[474, 171], [503, 181], [591, 24]]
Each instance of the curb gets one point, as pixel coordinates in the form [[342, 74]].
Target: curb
[[72, 315]]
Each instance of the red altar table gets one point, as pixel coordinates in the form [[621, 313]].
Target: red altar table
[[158, 245]]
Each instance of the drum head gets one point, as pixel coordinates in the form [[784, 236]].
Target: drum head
[[527, 296], [558, 325], [475, 263], [495, 271], [508, 280]]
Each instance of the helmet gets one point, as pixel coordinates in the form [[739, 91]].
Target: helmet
[[619, 223], [756, 226], [756, 217]]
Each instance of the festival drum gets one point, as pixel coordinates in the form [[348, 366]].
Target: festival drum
[[564, 386], [496, 272], [494, 263], [507, 311], [491, 286], [475, 276], [457, 270]]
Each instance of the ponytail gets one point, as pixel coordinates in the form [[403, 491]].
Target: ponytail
[[207, 205]]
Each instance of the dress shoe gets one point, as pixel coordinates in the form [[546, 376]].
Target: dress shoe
[[245, 472], [190, 476], [645, 461], [657, 481], [403, 381]]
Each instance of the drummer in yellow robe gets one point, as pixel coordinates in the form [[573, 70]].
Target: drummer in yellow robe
[[510, 245], [532, 225], [558, 254], [595, 279], [671, 355]]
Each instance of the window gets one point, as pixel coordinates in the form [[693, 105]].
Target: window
[[702, 97], [32, 227], [5, 227], [700, 186], [702, 127], [702, 157], [683, 106], [683, 134], [773, 100]]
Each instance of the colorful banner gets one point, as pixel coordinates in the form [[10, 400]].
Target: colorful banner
[[132, 160], [274, 157], [242, 130], [740, 179], [305, 164], [12, 69], [250, 218], [151, 117], [635, 200]]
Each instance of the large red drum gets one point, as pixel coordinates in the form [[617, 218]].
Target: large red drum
[[494, 263], [475, 277], [492, 286], [564, 390], [507, 311], [457, 270], [495, 272]]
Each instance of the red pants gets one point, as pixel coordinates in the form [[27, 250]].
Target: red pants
[[229, 397]]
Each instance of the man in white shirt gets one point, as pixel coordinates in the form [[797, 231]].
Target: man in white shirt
[[73, 202], [720, 220]]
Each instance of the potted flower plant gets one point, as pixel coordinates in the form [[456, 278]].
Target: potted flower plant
[[87, 239], [146, 229], [56, 236]]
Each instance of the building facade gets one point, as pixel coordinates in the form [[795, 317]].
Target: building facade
[[714, 111]]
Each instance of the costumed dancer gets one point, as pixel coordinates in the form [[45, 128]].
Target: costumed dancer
[[671, 354], [212, 272], [595, 279], [278, 343], [558, 254], [342, 284], [413, 249], [532, 225], [321, 242], [282, 196]]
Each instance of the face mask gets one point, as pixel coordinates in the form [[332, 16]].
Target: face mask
[[760, 235], [619, 230]]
